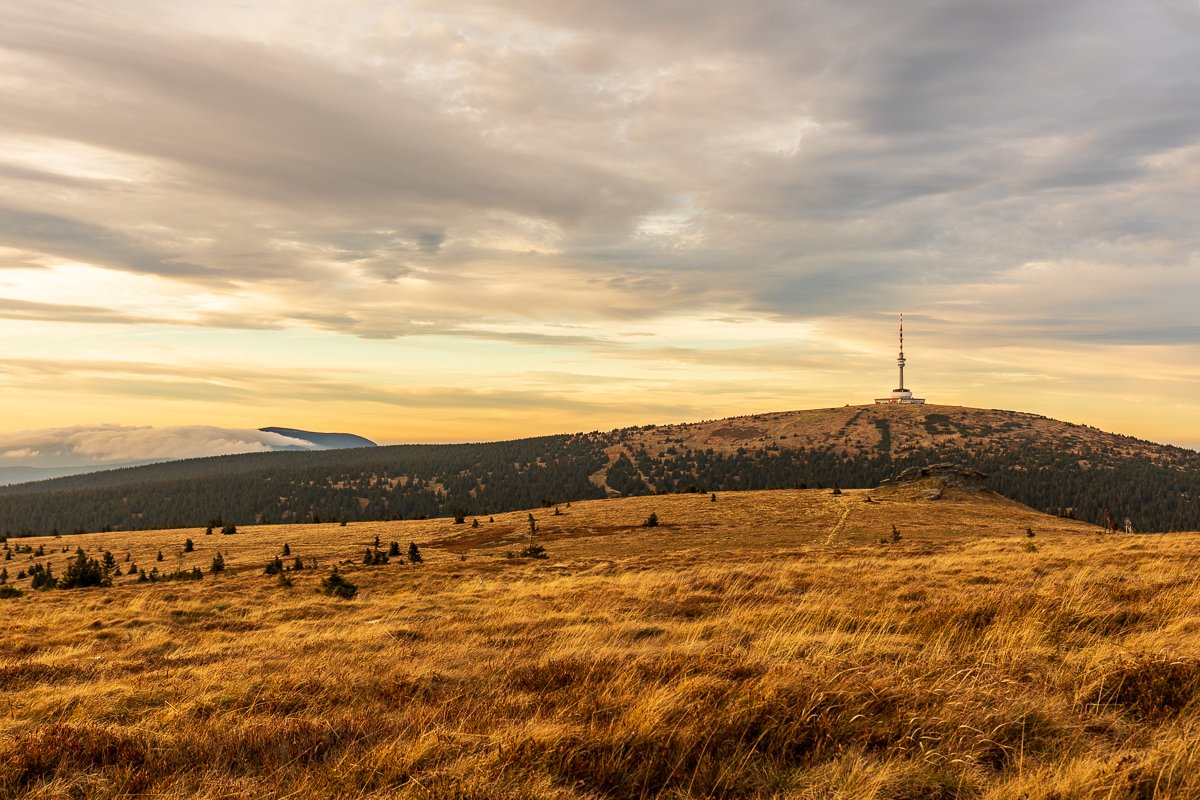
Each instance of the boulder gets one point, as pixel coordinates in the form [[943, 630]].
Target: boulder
[[946, 474]]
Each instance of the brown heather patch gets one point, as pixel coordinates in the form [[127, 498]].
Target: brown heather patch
[[763, 646]]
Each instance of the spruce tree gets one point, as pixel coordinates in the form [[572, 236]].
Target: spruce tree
[[84, 571], [337, 586]]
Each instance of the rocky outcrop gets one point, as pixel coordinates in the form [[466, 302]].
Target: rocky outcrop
[[945, 474]]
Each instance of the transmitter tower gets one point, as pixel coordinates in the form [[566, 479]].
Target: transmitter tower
[[900, 396]]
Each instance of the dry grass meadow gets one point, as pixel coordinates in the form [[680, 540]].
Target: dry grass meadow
[[766, 645]]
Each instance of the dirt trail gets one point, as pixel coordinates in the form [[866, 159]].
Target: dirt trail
[[841, 522]]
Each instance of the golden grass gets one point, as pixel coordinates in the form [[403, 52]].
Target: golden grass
[[765, 645]]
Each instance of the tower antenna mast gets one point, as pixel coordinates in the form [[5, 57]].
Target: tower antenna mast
[[900, 396]]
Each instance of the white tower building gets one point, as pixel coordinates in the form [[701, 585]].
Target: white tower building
[[901, 395]]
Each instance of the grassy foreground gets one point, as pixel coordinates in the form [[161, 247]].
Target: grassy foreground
[[765, 645]]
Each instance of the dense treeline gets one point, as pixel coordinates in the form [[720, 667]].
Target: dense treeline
[[1152, 496], [400, 482], [407, 481]]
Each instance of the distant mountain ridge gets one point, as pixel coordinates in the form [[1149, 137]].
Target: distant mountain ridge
[[1052, 466], [300, 440], [325, 441]]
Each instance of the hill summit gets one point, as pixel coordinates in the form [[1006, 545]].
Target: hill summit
[[1052, 466]]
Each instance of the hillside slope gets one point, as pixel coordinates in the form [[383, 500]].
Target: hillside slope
[[764, 645], [1053, 466]]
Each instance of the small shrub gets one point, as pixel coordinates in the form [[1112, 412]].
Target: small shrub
[[287, 551], [274, 567], [414, 553], [193, 574], [475, 523], [337, 586], [7, 590], [229, 530], [284, 581], [1029, 533], [896, 534], [159, 557], [42, 577], [714, 497], [394, 549], [460, 515], [218, 563], [534, 551], [1030, 547], [189, 546], [651, 521], [297, 564], [84, 571]]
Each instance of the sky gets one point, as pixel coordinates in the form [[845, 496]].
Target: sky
[[470, 220]]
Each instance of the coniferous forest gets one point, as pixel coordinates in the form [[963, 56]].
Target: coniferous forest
[[1156, 493]]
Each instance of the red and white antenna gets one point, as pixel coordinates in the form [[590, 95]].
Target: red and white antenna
[[901, 395]]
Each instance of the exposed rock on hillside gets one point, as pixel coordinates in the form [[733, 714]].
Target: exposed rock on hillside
[[948, 474]]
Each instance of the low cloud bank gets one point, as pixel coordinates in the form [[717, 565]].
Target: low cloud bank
[[102, 445]]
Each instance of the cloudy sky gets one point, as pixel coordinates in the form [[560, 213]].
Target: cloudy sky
[[476, 219]]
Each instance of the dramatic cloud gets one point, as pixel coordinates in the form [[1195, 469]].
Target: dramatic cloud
[[507, 188]]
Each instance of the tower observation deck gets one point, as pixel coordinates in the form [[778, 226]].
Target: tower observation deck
[[900, 396]]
